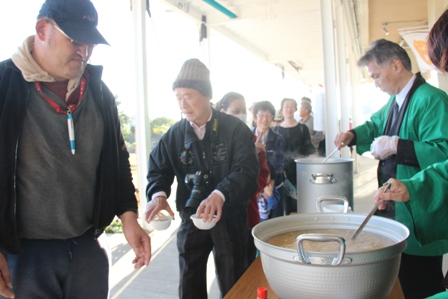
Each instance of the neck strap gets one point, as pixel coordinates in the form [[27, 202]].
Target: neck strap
[[71, 108]]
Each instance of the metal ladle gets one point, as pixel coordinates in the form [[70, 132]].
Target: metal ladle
[[331, 154], [375, 207]]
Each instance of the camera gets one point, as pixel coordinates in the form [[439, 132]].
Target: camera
[[200, 189]]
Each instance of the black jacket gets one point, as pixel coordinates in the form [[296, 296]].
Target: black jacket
[[234, 164], [114, 189]]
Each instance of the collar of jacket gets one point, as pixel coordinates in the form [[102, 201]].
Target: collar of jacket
[[190, 135]]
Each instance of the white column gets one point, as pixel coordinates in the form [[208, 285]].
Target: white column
[[435, 9], [142, 129], [356, 108], [342, 71], [332, 123]]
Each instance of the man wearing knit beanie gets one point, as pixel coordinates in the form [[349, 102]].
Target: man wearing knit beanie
[[194, 74], [214, 154], [194, 80]]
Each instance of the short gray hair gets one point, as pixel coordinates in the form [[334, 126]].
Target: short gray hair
[[304, 104], [383, 52]]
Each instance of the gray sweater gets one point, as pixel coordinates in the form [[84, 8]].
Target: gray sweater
[[46, 168]]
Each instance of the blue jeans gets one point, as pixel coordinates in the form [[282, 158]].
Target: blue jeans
[[56, 269]]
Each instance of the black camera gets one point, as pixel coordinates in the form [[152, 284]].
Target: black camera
[[200, 189]]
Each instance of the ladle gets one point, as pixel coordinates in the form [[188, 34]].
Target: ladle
[[375, 207], [331, 154]]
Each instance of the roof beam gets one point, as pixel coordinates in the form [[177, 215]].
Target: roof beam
[[184, 8], [242, 42]]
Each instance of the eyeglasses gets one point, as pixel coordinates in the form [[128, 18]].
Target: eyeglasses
[[267, 116], [74, 43]]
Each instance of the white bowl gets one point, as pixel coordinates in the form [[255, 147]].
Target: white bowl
[[161, 222], [201, 224]]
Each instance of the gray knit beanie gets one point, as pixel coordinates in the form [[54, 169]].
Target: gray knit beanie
[[194, 74]]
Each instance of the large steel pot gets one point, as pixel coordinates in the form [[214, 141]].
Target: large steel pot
[[363, 275], [315, 179]]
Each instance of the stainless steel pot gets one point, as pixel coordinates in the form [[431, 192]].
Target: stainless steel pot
[[315, 179], [338, 204], [295, 274]]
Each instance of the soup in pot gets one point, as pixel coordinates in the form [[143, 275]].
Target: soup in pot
[[364, 242]]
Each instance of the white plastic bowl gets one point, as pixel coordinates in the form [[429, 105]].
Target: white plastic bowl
[[201, 224], [161, 222]]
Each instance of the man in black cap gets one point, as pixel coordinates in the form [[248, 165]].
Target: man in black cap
[[216, 151], [65, 168]]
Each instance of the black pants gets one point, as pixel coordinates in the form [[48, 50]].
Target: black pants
[[227, 239], [420, 276], [321, 151], [286, 205], [251, 250], [290, 205]]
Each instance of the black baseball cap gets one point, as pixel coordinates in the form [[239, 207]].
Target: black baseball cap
[[77, 18]]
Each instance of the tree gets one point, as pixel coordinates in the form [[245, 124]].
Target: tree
[[127, 127], [159, 126]]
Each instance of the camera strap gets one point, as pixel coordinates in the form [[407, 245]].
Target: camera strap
[[213, 141], [214, 134], [213, 137]]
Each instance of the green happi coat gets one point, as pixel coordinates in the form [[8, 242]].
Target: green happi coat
[[424, 124], [429, 210]]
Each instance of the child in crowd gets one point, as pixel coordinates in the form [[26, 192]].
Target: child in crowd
[[267, 202]]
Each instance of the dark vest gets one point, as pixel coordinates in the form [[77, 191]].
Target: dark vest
[[388, 168]]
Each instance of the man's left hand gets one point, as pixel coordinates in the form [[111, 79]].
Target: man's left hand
[[209, 206], [384, 146], [137, 238], [397, 192]]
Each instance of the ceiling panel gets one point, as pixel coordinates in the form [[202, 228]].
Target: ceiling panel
[[279, 31]]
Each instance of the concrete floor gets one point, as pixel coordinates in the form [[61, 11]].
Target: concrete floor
[[160, 278]]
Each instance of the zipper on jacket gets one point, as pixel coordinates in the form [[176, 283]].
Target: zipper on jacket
[[16, 153]]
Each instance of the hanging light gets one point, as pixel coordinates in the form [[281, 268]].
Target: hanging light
[[385, 29], [386, 32]]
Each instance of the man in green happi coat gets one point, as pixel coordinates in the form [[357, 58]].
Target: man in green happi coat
[[406, 135]]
